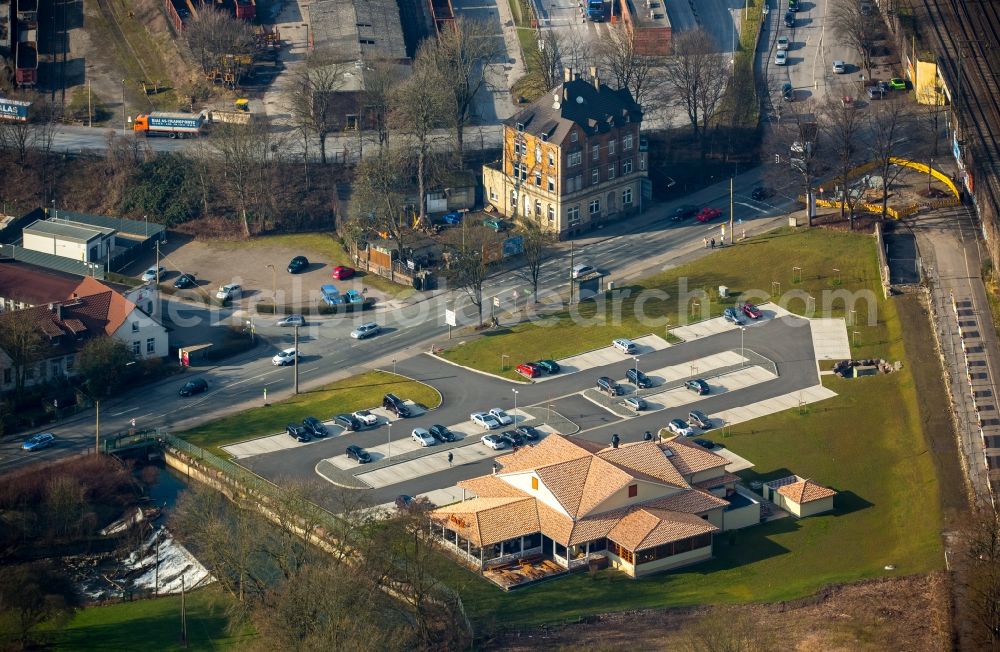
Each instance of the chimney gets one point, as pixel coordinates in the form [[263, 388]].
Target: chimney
[[567, 74], [615, 439], [594, 78]]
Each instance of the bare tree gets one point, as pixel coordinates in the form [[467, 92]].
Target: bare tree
[[381, 79], [469, 261], [536, 241], [841, 126], [244, 159], [21, 340], [856, 27], [313, 102], [887, 124], [696, 77], [547, 59], [978, 575], [421, 105], [380, 197], [796, 144], [20, 137], [213, 34], [642, 74]]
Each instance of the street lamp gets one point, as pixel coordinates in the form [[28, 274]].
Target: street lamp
[[503, 364], [394, 366], [389, 445], [515, 405], [742, 358]]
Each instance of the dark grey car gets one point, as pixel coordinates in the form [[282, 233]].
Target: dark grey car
[[699, 419], [315, 427]]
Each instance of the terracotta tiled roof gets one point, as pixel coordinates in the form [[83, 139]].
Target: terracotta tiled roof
[[647, 528], [725, 478], [486, 521], [566, 481], [492, 486], [34, 286], [551, 450], [102, 303], [692, 501], [805, 491], [554, 525], [603, 481], [647, 458], [597, 526], [691, 458]]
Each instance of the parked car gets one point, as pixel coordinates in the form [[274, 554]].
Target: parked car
[[732, 316], [494, 442], [298, 264], [396, 405], [39, 441], [366, 418], [884, 86], [684, 212], [751, 311], [759, 193], [548, 366], [422, 437], [347, 422], [704, 443], [579, 271], [192, 387], [782, 42], [625, 345], [788, 92], [315, 427], [441, 433], [359, 454], [897, 84], [638, 378], [330, 295], [495, 223], [151, 273], [698, 386], [789, 19], [484, 420], [297, 432], [678, 427], [636, 403], [781, 57], [286, 356], [875, 92], [501, 416], [608, 386], [292, 320], [793, 5], [452, 218], [342, 273], [528, 432], [185, 282], [708, 214], [366, 330], [353, 296], [839, 67], [404, 502], [699, 419], [512, 438], [529, 370], [229, 292]]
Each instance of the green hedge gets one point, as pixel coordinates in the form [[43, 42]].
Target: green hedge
[[321, 309]]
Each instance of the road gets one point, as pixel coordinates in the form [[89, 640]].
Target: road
[[629, 249]]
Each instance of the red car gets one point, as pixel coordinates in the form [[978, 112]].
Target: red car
[[708, 213], [529, 370], [751, 311], [342, 273]]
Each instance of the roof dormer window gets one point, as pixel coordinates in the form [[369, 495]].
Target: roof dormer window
[[520, 127]]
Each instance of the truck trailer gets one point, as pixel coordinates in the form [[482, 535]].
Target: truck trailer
[[173, 125], [595, 10]]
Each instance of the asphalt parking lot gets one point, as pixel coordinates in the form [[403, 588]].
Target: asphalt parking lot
[[743, 392]]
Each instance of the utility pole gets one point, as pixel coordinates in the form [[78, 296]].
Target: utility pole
[[296, 363], [124, 117], [90, 106], [571, 272], [731, 209], [97, 430], [184, 626]]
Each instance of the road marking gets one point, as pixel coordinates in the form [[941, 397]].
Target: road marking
[[759, 210], [246, 380], [118, 414]]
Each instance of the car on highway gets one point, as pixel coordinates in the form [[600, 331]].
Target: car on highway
[[528, 432], [624, 345], [298, 264], [297, 432], [185, 282], [422, 437], [192, 387], [548, 366], [678, 427], [637, 378], [348, 422], [501, 416], [366, 418], [39, 441], [342, 273], [704, 443], [787, 92], [684, 212], [512, 438], [789, 19], [529, 370], [897, 84], [441, 433], [751, 311], [357, 453], [732, 316], [635, 403], [484, 420], [292, 320], [839, 67], [151, 273], [760, 193], [581, 270], [608, 386], [363, 331], [782, 42], [699, 419], [229, 292], [396, 405], [283, 357], [315, 427], [494, 442], [708, 213], [698, 386]]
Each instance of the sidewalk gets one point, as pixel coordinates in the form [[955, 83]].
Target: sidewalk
[[948, 246]]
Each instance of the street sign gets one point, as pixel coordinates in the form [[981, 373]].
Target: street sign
[[496, 301], [450, 318]]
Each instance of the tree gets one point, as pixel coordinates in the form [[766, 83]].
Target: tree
[[536, 249], [461, 56], [165, 189], [978, 575], [696, 78], [421, 105], [33, 594], [842, 127], [469, 261], [547, 59], [21, 340], [381, 79], [379, 200], [313, 98], [887, 123], [102, 363], [641, 74], [796, 143], [858, 29], [213, 34]]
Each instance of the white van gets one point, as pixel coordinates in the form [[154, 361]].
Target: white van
[[579, 271]]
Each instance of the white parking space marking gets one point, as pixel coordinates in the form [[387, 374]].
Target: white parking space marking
[[830, 341], [694, 367], [606, 355], [718, 325], [788, 401], [730, 382], [274, 443]]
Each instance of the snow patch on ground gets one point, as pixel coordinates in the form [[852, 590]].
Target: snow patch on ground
[[175, 563]]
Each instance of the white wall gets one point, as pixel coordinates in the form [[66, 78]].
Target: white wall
[[646, 491], [523, 482], [147, 298], [147, 328]]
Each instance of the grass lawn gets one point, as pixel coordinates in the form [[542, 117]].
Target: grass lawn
[[355, 393], [751, 267], [153, 625], [868, 443]]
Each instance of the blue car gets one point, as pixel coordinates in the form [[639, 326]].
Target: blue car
[[452, 218], [331, 295], [353, 296], [39, 441]]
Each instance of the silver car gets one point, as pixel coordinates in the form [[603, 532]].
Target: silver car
[[292, 320], [366, 330]]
